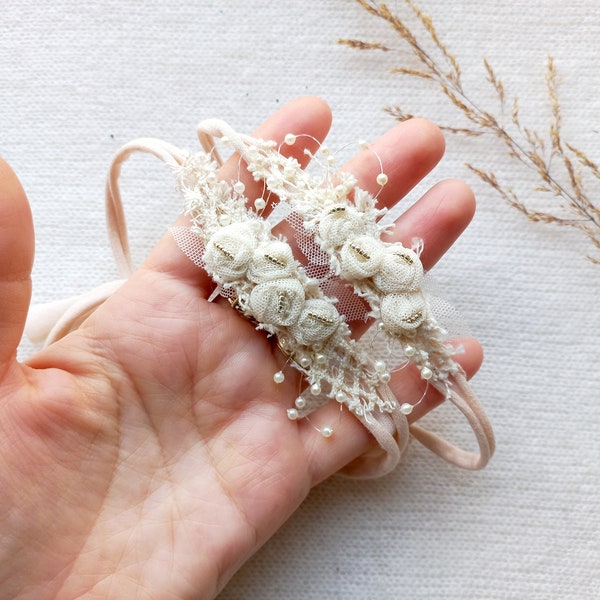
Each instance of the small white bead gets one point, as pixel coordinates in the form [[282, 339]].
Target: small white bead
[[315, 389], [300, 402], [327, 431], [426, 373], [305, 362], [321, 359], [239, 187], [324, 150], [409, 350], [385, 377], [406, 408], [290, 139], [381, 326], [292, 414], [363, 144], [340, 397], [382, 179], [279, 377], [259, 203], [380, 366]]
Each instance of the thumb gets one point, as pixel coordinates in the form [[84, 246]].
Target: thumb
[[16, 260]]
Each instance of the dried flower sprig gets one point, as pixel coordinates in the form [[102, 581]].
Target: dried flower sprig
[[560, 167]]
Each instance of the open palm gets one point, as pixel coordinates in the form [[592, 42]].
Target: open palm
[[148, 453]]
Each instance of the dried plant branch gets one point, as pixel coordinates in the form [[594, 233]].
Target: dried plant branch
[[559, 166], [360, 45]]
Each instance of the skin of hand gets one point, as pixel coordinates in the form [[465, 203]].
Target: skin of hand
[[148, 454]]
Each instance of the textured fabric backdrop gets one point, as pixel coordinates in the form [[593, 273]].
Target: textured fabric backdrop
[[79, 79]]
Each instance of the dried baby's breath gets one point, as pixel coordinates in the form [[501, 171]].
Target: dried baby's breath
[[561, 170]]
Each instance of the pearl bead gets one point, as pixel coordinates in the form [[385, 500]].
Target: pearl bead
[[305, 362], [321, 359], [259, 203], [380, 366], [426, 373], [290, 139], [406, 408], [382, 179], [340, 397], [300, 402], [363, 144], [279, 377], [385, 377], [239, 187], [315, 389], [409, 350], [381, 326], [327, 431], [292, 414]]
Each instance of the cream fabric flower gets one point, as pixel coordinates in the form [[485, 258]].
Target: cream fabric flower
[[229, 252], [403, 312], [278, 302], [400, 270], [271, 260], [338, 224], [360, 257], [317, 322]]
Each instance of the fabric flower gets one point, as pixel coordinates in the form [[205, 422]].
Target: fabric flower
[[338, 224], [400, 270], [278, 302], [403, 312], [317, 322], [271, 260], [360, 257], [229, 252]]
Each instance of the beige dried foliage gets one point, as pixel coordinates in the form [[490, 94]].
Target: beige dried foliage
[[562, 171]]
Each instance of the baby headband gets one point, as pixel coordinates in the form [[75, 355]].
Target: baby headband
[[347, 274]]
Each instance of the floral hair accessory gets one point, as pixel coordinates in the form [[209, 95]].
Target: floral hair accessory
[[346, 273], [336, 227]]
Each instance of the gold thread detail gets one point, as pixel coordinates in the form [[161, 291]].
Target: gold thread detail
[[360, 253], [321, 318], [222, 250], [276, 261]]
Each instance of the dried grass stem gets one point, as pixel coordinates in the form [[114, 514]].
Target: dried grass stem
[[558, 165]]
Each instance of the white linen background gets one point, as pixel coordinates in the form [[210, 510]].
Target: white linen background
[[79, 79]]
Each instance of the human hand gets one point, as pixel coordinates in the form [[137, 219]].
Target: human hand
[[148, 453]]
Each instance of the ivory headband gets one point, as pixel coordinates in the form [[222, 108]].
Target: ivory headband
[[347, 273]]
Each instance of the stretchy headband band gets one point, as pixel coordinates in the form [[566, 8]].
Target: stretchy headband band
[[307, 305]]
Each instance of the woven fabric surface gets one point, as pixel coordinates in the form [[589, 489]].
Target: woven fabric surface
[[79, 79]]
